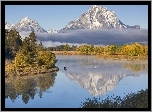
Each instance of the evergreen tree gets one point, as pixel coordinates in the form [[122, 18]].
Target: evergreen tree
[[32, 39], [26, 50], [12, 43], [40, 47], [29, 48]]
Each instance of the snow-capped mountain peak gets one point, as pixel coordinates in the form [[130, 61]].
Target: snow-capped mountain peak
[[97, 17], [26, 19], [26, 24]]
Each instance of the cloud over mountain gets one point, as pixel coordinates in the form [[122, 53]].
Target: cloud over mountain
[[97, 37]]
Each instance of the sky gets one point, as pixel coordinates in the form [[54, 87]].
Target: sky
[[58, 16]]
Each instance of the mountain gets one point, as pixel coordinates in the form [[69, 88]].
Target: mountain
[[97, 17], [26, 24]]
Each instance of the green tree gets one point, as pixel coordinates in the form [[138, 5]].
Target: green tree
[[40, 47], [108, 49], [33, 38], [30, 48], [99, 50], [84, 49], [27, 50], [66, 47], [46, 58], [21, 61], [12, 43], [114, 49]]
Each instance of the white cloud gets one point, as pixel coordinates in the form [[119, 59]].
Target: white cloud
[[53, 44], [96, 37]]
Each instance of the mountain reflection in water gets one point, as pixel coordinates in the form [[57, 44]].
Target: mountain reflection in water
[[98, 84], [99, 77]]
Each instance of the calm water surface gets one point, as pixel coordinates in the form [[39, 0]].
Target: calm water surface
[[86, 77]]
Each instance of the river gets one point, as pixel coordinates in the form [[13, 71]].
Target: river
[[85, 77]]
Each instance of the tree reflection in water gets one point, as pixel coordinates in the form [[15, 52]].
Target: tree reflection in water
[[28, 86], [135, 67]]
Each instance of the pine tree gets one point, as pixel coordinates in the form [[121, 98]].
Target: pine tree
[[29, 48], [33, 38], [12, 43], [40, 47]]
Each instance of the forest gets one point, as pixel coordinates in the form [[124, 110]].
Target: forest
[[27, 56]]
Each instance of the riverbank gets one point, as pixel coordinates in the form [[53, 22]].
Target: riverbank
[[105, 56], [123, 57], [31, 71], [11, 70], [67, 52]]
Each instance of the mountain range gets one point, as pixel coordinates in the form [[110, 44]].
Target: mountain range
[[97, 17]]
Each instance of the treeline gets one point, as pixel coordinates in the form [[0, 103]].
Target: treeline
[[134, 49], [129, 51], [65, 47], [27, 56]]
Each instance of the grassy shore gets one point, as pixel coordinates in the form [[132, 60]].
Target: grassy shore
[[31, 71], [10, 70], [123, 57], [66, 52], [105, 56]]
